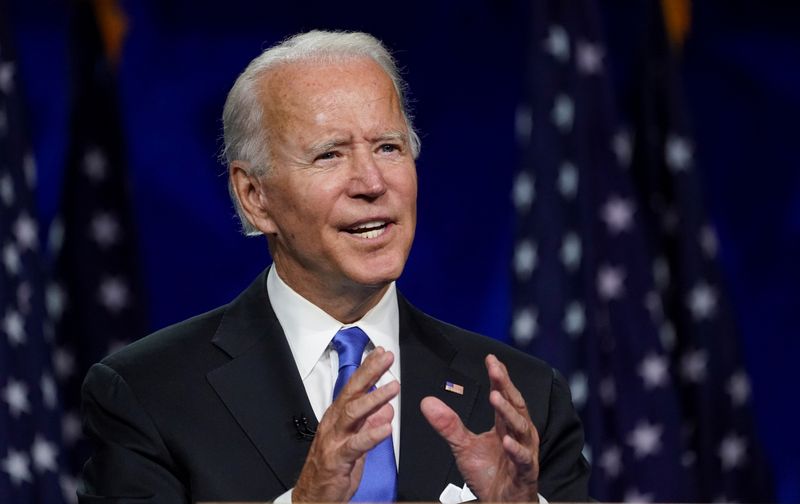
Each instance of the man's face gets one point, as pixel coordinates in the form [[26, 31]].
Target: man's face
[[341, 193]]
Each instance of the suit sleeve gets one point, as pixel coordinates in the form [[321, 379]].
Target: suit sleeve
[[563, 473], [130, 462]]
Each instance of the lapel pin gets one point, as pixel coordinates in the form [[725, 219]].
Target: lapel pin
[[454, 388]]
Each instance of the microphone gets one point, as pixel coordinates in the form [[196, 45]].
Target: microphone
[[304, 431]]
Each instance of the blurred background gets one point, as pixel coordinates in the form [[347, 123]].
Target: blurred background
[[611, 185]]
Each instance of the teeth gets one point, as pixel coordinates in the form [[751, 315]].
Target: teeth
[[367, 225], [369, 230]]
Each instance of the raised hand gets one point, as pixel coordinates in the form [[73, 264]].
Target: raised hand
[[501, 464], [356, 422]]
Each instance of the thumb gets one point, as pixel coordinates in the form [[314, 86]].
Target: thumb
[[445, 421]]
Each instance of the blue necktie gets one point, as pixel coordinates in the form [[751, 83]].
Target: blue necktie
[[379, 480]]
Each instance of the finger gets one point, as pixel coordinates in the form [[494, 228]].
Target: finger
[[501, 381], [367, 375], [522, 456], [515, 424], [354, 412], [445, 421], [380, 417], [365, 440]]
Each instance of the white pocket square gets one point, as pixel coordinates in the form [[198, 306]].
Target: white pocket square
[[454, 495]]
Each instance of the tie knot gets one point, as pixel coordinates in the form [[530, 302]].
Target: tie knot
[[349, 344]]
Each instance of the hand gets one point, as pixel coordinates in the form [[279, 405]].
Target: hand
[[502, 464], [355, 422]]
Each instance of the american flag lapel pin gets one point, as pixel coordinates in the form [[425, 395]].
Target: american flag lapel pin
[[454, 388]]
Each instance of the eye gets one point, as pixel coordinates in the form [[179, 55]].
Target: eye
[[389, 148], [326, 155]]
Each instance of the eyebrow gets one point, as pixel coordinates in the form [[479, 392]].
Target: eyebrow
[[338, 142]]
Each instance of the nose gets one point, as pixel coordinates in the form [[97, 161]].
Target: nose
[[367, 179]]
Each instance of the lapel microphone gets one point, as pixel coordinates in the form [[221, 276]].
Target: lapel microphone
[[304, 431]]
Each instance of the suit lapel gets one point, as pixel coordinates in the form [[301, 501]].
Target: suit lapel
[[425, 359], [260, 385]]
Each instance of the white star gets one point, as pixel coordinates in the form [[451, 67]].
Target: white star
[[661, 273], [7, 71], [654, 370], [563, 113], [652, 301], [645, 439], [16, 395], [608, 391], [95, 164], [71, 428], [29, 169], [693, 366], [523, 124], [635, 496], [11, 259], [618, 214], [523, 192], [667, 336], [732, 451], [524, 327], [739, 388], [557, 43], [524, 259], [14, 327], [702, 301], [44, 455], [610, 282], [69, 488], [63, 363], [589, 58], [579, 387], [114, 294], [568, 180], [611, 461], [7, 189], [16, 464], [678, 153], [621, 144], [49, 391], [571, 251], [574, 319], [25, 231], [105, 229], [55, 300], [708, 241]]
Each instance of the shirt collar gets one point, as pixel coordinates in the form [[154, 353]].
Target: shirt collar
[[309, 329]]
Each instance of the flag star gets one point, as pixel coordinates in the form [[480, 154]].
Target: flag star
[[25, 231], [608, 391], [525, 259], [95, 164], [49, 391], [563, 113], [523, 124], [661, 273], [114, 294], [69, 488], [568, 180], [621, 144], [571, 251], [524, 326], [611, 461], [44, 455], [708, 241], [738, 388], [15, 394], [11, 259], [667, 336], [29, 169], [618, 214], [574, 319], [732, 451], [634, 495], [579, 387], [702, 301], [557, 43], [523, 192], [63, 363], [14, 327], [694, 365], [16, 464], [55, 299], [71, 428], [645, 439], [589, 58], [105, 229], [7, 189], [7, 71], [654, 371], [678, 153], [610, 282], [652, 301]]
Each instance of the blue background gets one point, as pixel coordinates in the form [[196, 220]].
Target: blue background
[[465, 62]]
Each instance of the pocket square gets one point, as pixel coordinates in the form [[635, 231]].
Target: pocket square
[[455, 495]]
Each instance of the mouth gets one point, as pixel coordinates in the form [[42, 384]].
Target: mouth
[[369, 230]]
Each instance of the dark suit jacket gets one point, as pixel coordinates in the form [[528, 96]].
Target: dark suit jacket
[[202, 410]]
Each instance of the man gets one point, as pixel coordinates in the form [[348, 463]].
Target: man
[[264, 398]]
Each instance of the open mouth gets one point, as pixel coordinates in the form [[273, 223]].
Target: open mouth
[[368, 230]]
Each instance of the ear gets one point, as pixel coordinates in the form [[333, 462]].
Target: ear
[[250, 193]]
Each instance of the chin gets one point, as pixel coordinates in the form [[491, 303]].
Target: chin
[[377, 274]]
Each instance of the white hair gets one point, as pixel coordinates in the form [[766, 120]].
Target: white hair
[[243, 116]]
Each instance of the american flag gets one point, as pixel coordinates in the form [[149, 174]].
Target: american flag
[[614, 270], [30, 432]]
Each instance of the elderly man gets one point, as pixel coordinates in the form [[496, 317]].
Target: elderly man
[[320, 382]]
